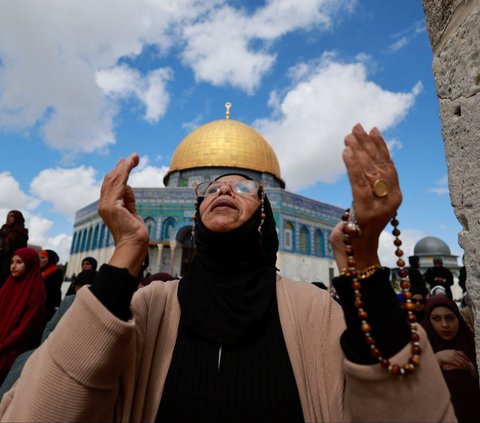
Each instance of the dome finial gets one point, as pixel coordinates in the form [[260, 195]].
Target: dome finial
[[227, 106]]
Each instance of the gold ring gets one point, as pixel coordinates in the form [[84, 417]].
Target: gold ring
[[380, 187]]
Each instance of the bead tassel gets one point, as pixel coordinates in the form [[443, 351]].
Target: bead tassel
[[356, 276]]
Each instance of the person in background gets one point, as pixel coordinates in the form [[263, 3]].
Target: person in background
[[84, 278], [414, 275], [22, 305], [88, 263], [13, 235], [233, 340], [53, 279], [454, 347], [419, 298], [439, 276]]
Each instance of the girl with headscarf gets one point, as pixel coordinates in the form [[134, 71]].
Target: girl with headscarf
[[53, 279], [454, 347], [22, 305], [13, 235]]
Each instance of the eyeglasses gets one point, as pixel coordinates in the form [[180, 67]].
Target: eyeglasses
[[418, 301], [242, 187]]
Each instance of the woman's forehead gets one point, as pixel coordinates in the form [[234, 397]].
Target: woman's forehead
[[229, 178], [441, 310]]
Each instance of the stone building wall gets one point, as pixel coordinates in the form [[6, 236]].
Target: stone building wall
[[454, 30]]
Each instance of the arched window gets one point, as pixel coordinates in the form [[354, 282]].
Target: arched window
[[319, 243], [150, 224], [304, 246], [168, 229], [288, 236]]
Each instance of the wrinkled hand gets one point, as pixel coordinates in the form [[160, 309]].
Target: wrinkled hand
[[452, 360], [367, 159], [117, 209]]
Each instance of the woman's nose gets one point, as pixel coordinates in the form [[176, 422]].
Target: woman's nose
[[226, 188]]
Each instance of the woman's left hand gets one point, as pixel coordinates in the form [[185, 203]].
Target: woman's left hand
[[369, 166]]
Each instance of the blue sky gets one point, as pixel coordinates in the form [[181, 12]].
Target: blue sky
[[85, 83]]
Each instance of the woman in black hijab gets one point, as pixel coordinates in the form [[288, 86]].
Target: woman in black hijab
[[234, 341], [454, 347]]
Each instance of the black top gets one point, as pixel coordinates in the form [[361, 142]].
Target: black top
[[250, 383]]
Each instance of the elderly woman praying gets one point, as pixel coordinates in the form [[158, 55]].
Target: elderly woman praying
[[233, 340]]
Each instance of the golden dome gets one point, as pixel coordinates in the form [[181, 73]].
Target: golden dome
[[225, 143]]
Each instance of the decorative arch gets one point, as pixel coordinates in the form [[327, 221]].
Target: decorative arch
[[168, 229], [150, 224], [304, 240], [319, 243], [289, 236]]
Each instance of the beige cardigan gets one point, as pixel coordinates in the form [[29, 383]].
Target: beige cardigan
[[95, 367]]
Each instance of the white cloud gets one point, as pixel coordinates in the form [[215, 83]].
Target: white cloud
[[49, 73], [311, 120], [47, 77], [442, 186], [123, 82], [148, 177], [66, 189], [11, 195], [398, 44], [219, 47], [60, 244], [386, 249], [407, 36], [39, 229]]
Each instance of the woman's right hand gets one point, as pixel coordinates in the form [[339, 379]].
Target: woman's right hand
[[367, 160], [118, 211], [452, 360]]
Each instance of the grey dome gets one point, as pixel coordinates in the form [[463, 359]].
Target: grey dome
[[431, 246]]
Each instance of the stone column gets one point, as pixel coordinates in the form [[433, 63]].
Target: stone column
[[454, 30]]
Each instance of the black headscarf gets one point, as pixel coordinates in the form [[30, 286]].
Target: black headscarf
[[228, 294], [92, 261]]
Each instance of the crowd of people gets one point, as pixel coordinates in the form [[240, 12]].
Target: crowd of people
[[233, 340], [31, 302]]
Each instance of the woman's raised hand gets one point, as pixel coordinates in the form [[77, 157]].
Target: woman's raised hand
[[117, 209], [375, 191]]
